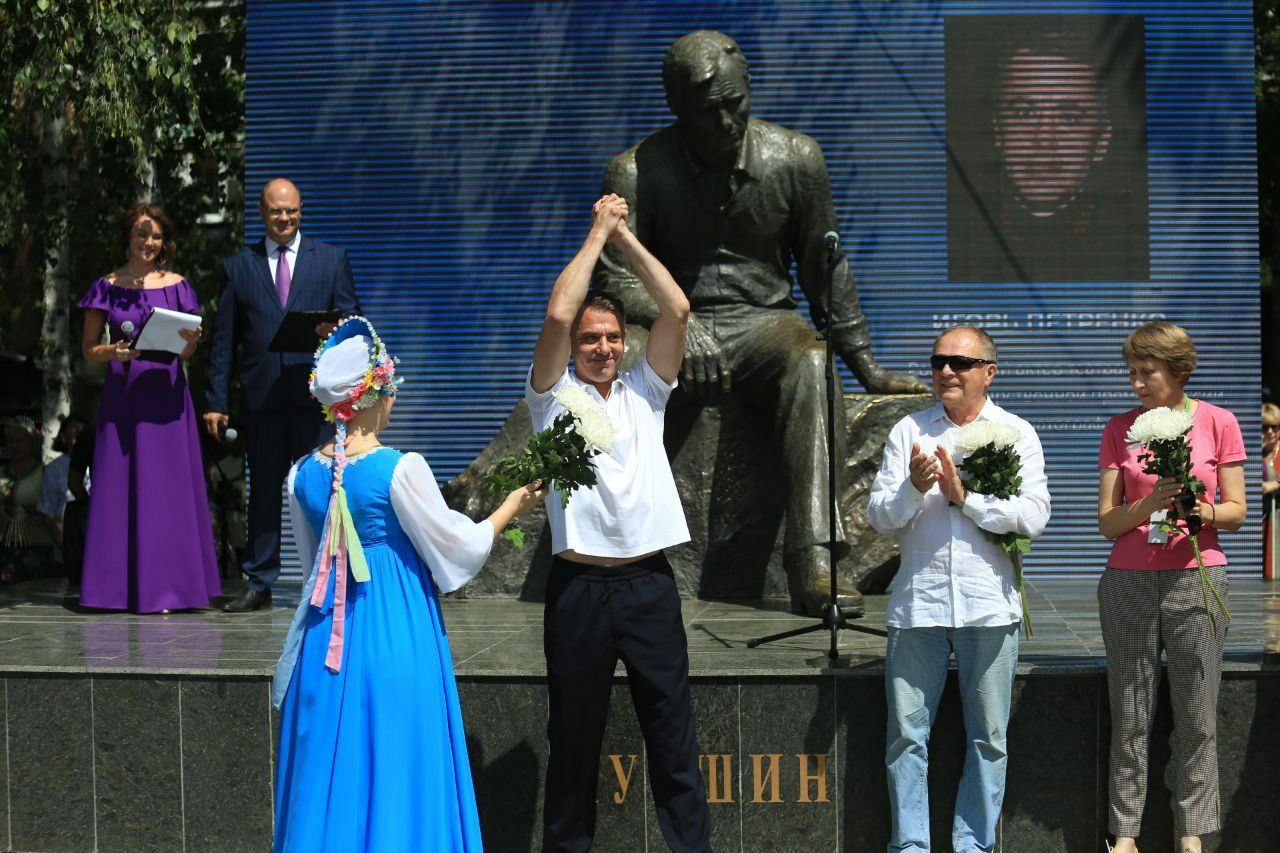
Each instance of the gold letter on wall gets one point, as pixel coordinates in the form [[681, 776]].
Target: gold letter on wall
[[719, 789], [819, 776], [624, 779], [770, 776]]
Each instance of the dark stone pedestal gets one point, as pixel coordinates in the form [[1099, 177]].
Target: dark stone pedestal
[[726, 470], [797, 763]]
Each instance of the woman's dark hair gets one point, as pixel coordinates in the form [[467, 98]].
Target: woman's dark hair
[[60, 440], [154, 212]]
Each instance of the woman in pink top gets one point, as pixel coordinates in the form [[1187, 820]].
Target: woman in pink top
[[1150, 596]]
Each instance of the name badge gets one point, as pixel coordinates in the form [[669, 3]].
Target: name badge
[[1156, 536]]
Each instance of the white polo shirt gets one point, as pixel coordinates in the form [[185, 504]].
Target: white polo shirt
[[633, 509]]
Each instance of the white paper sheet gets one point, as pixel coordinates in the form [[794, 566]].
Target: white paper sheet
[[161, 331]]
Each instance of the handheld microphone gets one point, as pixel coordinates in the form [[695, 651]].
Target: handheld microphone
[[127, 328], [227, 434], [832, 241]]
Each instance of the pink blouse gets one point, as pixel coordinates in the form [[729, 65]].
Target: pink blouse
[[1215, 440]]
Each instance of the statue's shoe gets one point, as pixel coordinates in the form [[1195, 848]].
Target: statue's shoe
[[809, 582]]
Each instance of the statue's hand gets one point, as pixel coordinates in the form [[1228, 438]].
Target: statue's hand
[[876, 379], [704, 370]]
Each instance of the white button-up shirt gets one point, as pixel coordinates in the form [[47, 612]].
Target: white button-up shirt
[[633, 509], [951, 574], [273, 255]]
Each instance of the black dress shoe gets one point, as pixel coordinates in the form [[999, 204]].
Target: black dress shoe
[[247, 600]]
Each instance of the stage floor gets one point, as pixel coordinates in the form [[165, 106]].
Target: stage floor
[[42, 629]]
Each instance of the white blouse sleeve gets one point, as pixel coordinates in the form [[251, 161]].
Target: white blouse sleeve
[[308, 540], [454, 546]]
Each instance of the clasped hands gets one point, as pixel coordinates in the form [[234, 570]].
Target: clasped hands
[[937, 467], [609, 215]]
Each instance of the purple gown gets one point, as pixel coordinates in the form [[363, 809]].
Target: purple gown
[[149, 543]]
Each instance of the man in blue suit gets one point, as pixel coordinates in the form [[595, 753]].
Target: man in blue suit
[[284, 272]]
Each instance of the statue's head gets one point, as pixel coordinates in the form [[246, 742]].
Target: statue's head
[[706, 78]]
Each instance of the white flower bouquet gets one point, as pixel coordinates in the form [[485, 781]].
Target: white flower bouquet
[[1162, 434], [994, 467], [559, 456]]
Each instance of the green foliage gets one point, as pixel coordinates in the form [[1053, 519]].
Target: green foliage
[[151, 98], [1266, 28], [996, 471], [558, 456]]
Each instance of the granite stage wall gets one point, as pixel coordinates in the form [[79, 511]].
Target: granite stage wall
[[138, 762]]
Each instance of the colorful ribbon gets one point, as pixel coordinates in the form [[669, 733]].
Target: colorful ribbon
[[341, 544]]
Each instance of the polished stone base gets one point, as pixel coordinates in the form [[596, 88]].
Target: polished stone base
[[143, 733]]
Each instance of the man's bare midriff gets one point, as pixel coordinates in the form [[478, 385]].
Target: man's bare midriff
[[591, 560]]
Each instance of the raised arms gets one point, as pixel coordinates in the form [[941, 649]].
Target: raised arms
[[666, 336]]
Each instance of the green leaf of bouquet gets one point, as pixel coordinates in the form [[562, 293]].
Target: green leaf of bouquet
[[514, 535]]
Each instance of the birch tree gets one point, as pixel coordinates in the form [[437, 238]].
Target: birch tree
[[101, 103]]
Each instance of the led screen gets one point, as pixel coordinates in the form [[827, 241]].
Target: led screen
[[1058, 173]]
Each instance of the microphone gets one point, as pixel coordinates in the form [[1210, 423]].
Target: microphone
[[832, 241], [227, 434], [127, 328]]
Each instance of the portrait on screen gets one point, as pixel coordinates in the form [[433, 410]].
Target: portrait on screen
[[1046, 143]]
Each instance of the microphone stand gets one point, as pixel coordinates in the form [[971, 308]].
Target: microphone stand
[[833, 619]]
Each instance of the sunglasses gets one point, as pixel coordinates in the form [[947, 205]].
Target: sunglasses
[[958, 363]]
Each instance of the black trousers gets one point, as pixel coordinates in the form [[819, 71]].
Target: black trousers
[[273, 442], [595, 617]]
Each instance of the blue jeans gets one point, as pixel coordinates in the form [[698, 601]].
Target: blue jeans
[[915, 671]]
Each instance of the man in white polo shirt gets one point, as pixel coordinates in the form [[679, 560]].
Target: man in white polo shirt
[[611, 594]]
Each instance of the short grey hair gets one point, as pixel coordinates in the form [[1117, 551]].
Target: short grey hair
[[985, 341]]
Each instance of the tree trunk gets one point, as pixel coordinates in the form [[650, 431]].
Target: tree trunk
[[55, 344], [145, 176]]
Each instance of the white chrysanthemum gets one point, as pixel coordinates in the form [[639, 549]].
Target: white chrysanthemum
[[1158, 424], [595, 428], [592, 423], [981, 433]]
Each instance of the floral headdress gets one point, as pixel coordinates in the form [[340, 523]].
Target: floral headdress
[[352, 370], [345, 392]]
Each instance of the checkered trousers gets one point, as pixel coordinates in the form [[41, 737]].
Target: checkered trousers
[[1143, 612]]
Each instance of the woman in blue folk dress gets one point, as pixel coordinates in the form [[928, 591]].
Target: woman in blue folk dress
[[372, 751]]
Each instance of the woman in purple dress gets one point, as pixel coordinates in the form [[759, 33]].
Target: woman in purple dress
[[149, 544]]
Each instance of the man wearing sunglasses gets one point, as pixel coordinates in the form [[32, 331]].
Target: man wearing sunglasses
[[955, 592]]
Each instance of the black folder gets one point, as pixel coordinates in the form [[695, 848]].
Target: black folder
[[297, 332]]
